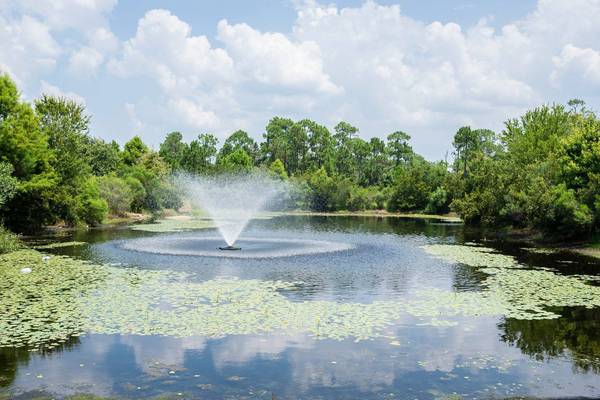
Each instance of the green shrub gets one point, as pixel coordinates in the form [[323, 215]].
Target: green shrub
[[117, 194], [8, 241]]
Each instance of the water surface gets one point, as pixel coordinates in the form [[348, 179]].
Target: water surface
[[339, 259]]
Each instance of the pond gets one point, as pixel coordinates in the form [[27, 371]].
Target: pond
[[311, 307]]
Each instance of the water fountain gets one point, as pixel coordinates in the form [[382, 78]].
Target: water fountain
[[231, 201]]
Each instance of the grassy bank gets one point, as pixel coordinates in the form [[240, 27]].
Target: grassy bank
[[8, 241], [377, 213]]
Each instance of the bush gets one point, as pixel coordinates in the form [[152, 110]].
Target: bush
[[438, 202], [8, 241], [91, 208], [117, 193]]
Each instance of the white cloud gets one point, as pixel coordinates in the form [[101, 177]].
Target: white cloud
[[51, 90], [164, 49], [577, 66], [85, 61], [193, 114], [28, 33], [371, 65], [430, 78], [135, 122], [27, 47], [273, 59], [82, 15]]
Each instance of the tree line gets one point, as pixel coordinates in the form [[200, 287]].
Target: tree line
[[542, 171]]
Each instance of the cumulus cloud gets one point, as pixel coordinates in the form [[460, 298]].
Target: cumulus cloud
[[135, 122], [27, 47], [85, 61], [577, 66], [273, 59], [29, 31], [51, 90], [164, 49], [370, 64], [430, 78], [82, 15]]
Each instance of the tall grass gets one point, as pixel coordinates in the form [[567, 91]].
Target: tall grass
[[8, 241]]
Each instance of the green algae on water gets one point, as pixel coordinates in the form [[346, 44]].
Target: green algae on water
[[173, 224], [58, 245], [62, 297], [522, 293]]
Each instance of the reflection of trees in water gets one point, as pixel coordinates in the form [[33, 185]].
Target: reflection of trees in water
[[467, 278], [370, 224], [576, 334], [12, 358]]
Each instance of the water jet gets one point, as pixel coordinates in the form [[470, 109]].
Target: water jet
[[231, 201]]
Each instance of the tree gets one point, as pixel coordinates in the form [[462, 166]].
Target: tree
[[468, 143], [297, 148], [9, 96], [236, 162], [22, 144], [323, 190], [240, 140], [276, 144], [25, 148], [199, 156], [377, 166], [117, 193], [103, 158], [134, 150], [415, 183], [8, 183], [361, 152], [398, 148], [278, 170], [320, 146], [344, 163], [66, 125], [173, 150]]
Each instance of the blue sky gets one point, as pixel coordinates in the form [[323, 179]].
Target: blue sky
[[150, 67]]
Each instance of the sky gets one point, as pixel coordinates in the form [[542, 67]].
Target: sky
[[427, 68]]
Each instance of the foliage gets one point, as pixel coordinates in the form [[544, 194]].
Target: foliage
[[8, 183], [541, 172], [277, 169], [8, 241], [103, 158], [236, 162], [117, 193], [173, 150], [199, 155]]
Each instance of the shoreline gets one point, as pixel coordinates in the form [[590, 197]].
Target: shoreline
[[590, 248]]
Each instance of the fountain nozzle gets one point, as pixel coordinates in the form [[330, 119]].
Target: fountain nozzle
[[230, 247]]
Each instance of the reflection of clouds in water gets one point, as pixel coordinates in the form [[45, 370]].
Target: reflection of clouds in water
[[242, 349], [169, 351], [442, 349], [63, 374], [333, 364]]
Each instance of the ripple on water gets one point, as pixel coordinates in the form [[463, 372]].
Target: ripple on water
[[253, 247]]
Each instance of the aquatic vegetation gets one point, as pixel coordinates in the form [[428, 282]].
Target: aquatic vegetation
[[540, 250], [521, 292], [62, 297], [174, 225], [58, 245], [39, 307], [474, 256]]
